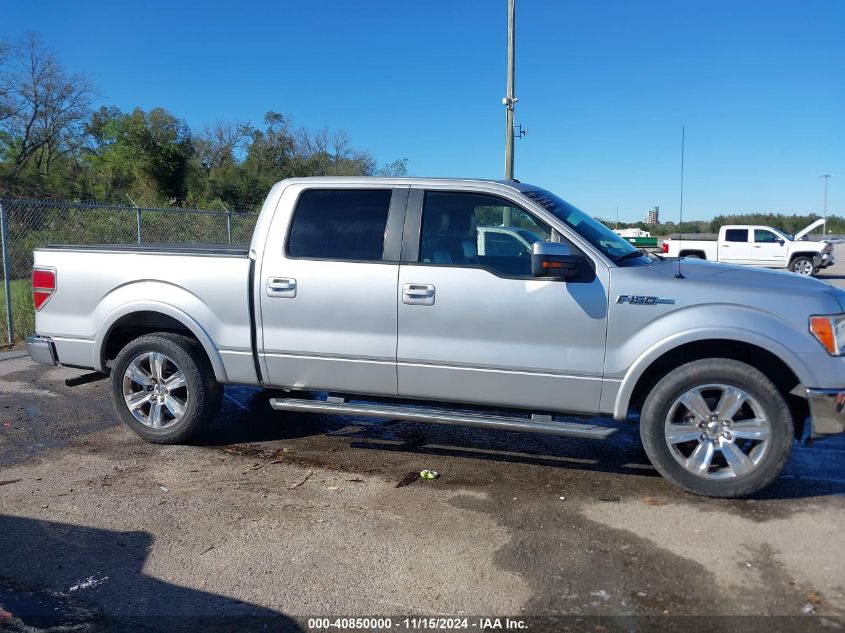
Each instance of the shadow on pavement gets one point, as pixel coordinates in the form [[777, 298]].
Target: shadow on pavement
[[827, 276], [55, 575], [247, 418]]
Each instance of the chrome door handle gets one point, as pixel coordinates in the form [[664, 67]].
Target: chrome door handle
[[418, 294], [281, 287], [756, 246]]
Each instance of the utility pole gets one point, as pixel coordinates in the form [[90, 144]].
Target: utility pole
[[617, 217], [509, 101], [826, 178]]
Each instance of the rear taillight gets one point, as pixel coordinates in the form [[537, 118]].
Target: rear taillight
[[665, 247], [43, 286]]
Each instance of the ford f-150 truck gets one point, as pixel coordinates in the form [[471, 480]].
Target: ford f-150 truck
[[757, 246], [368, 296]]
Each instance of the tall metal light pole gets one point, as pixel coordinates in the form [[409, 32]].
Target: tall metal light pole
[[826, 178], [509, 101]]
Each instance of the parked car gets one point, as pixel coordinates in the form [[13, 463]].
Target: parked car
[[365, 296], [505, 241], [757, 246]]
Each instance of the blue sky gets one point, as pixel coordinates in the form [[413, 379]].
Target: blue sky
[[604, 86]]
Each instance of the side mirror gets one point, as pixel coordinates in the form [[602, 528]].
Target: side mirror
[[554, 259], [780, 242]]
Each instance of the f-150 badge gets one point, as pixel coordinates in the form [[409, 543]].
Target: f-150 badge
[[642, 300]]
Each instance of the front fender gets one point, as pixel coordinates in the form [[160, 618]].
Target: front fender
[[672, 331], [805, 253]]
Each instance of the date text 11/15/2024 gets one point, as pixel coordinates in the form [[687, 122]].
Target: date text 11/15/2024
[[416, 624]]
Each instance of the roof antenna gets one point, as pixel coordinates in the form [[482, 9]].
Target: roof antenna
[[680, 275]]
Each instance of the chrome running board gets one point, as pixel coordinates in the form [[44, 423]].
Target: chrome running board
[[537, 424]]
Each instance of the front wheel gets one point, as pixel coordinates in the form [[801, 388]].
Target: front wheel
[[717, 427], [803, 266], [164, 389]]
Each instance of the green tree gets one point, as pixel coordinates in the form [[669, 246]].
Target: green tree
[[139, 154]]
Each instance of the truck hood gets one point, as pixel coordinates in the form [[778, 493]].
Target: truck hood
[[809, 228], [710, 282], [728, 274]]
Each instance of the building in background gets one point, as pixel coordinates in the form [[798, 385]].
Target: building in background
[[653, 216]]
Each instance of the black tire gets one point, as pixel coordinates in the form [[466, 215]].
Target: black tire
[[693, 256], [733, 374], [202, 393], [802, 262]]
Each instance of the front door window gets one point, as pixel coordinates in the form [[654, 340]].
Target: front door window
[[467, 229]]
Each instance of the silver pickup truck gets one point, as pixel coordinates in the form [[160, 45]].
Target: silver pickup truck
[[368, 296]]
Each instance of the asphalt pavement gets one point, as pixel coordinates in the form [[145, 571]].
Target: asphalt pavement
[[270, 519]]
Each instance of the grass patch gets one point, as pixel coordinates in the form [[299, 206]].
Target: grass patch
[[23, 315]]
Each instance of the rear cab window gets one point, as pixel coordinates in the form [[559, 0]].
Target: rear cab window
[[339, 224]]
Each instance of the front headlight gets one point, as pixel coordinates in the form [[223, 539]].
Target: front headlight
[[830, 332]]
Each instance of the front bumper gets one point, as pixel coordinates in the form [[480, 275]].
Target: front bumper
[[824, 260], [827, 411], [41, 349]]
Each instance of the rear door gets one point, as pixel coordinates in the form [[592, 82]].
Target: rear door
[[769, 248], [328, 289], [478, 328], [735, 248]]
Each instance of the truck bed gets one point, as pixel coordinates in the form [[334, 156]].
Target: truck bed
[[175, 248], [694, 237], [204, 287]]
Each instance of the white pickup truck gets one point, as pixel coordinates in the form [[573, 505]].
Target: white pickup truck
[[756, 245]]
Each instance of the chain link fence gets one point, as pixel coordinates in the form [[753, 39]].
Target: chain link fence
[[28, 224]]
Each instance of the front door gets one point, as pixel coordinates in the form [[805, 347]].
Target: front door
[[328, 290], [769, 249], [477, 328]]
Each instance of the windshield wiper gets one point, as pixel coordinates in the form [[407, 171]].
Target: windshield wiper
[[637, 253]]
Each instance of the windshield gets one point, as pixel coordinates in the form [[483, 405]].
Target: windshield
[[596, 233], [784, 234]]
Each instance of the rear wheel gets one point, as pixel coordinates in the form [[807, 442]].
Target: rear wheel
[[802, 265], [164, 388], [717, 427]]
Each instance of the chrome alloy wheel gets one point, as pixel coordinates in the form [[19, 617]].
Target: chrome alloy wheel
[[717, 432], [804, 267], [155, 390]]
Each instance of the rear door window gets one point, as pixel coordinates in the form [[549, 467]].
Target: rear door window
[[736, 235], [340, 224]]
